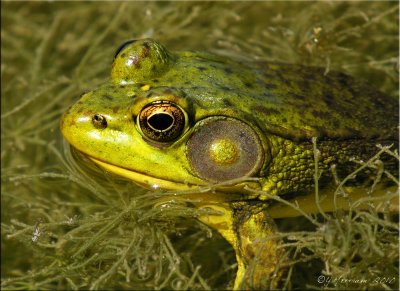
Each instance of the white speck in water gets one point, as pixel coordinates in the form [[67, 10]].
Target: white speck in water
[[36, 234]]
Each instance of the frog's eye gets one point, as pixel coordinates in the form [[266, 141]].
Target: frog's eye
[[161, 121], [222, 149], [140, 61], [122, 46]]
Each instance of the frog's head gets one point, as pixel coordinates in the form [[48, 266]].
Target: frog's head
[[169, 121]]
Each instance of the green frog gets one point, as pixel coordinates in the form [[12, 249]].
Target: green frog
[[188, 120]]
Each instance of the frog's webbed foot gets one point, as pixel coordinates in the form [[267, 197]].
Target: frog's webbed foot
[[250, 230]]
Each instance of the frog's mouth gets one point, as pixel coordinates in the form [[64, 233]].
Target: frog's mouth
[[142, 179], [150, 182]]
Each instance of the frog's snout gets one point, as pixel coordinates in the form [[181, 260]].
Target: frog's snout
[[71, 123], [76, 121]]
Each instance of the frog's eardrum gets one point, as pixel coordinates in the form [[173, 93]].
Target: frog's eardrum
[[222, 149]]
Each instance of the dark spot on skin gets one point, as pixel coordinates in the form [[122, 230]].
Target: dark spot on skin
[[344, 80], [79, 102], [268, 76], [227, 102], [123, 55], [378, 100], [337, 105], [72, 122], [265, 110], [305, 84], [201, 68], [352, 91], [366, 119], [228, 70], [136, 61], [145, 52], [248, 85], [347, 115], [330, 81], [270, 86], [146, 45], [335, 123], [311, 74], [267, 94], [283, 78], [328, 99], [297, 96], [69, 109], [90, 103], [296, 104], [115, 109], [319, 114], [107, 96]]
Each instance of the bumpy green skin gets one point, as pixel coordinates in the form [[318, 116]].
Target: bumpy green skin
[[286, 105]]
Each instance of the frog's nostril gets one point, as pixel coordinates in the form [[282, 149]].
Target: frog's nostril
[[99, 121]]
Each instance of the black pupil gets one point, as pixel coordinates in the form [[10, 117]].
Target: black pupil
[[160, 121]]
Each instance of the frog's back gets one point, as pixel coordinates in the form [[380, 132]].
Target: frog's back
[[302, 102]]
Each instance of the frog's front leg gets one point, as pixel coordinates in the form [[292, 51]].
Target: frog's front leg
[[250, 230]]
